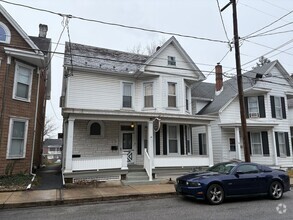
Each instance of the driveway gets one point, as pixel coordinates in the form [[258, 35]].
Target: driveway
[[49, 177]]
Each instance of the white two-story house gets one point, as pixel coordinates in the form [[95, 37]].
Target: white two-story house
[[268, 90], [122, 108]]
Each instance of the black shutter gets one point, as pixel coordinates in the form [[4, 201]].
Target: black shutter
[[158, 142], [165, 139], [277, 144], [265, 143], [200, 143], [139, 139], [287, 144], [249, 142], [181, 140], [246, 107], [273, 106], [261, 103], [283, 107]]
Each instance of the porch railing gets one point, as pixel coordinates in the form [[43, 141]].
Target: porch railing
[[180, 161], [148, 164], [98, 163]]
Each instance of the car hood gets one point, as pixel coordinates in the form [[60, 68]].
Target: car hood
[[199, 175]]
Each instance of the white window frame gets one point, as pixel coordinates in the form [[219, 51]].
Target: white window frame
[[282, 144], [132, 94], [168, 94], [177, 139], [171, 61], [102, 129], [278, 108], [250, 107], [187, 99], [17, 65], [11, 123], [144, 94], [253, 144], [7, 33]]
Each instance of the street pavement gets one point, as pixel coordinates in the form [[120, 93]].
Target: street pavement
[[81, 195]]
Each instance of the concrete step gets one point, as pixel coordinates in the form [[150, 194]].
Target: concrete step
[[140, 182]]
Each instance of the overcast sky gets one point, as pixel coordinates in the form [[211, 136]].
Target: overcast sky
[[199, 18]]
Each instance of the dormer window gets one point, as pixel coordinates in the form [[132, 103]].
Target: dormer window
[[4, 34], [171, 61]]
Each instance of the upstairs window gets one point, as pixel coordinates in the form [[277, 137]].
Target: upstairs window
[[255, 107], [171, 61], [5, 34], [186, 98], [148, 95], [278, 107], [172, 95], [22, 82], [127, 95]]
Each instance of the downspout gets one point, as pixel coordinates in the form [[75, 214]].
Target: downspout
[[35, 126]]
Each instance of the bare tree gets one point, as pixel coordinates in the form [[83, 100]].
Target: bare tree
[[149, 49], [262, 61], [49, 127]]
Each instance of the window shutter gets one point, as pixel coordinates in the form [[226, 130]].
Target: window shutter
[[249, 142], [158, 142], [165, 139], [265, 143], [273, 106], [191, 141], [287, 143], [261, 103], [139, 139], [246, 107], [181, 140], [277, 144], [200, 143], [283, 107]]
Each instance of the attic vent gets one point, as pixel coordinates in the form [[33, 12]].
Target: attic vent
[[258, 76], [171, 61]]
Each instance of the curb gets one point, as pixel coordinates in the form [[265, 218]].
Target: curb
[[85, 200]]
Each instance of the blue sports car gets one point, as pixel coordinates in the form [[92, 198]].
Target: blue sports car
[[233, 179]]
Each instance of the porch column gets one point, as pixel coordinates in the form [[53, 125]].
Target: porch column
[[275, 148], [210, 144], [69, 145], [237, 143], [151, 142]]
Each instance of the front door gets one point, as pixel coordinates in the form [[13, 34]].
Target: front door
[[127, 145]]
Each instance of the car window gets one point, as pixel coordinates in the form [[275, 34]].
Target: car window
[[248, 168], [222, 168]]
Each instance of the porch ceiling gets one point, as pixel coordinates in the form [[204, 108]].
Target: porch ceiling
[[133, 116]]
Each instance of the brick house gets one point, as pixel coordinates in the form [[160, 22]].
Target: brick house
[[24, 89]]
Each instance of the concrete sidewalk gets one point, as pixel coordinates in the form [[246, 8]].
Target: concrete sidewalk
[[32, 198]]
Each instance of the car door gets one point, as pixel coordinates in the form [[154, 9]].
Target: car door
[[244, 180]]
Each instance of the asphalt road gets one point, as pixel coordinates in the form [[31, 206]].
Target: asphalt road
[[162, 208]]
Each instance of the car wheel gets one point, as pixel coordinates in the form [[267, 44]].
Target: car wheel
[[215, 194], [276, 190]]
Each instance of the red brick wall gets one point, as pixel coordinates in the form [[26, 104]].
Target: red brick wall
[[19, 109]]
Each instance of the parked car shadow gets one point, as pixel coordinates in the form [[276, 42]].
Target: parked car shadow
[[48, 177]]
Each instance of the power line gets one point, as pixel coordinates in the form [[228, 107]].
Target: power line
[[263, 35], [277, 6], [118, 25], [222, 20]]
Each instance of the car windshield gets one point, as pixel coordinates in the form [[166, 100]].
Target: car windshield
[[222, 168]]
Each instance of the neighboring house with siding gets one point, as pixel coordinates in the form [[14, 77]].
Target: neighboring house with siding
[[24, 89], [268, 92], [52, 149], [124, 109]]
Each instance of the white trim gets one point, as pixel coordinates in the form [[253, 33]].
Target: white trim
[[176, 95], [252, 144], [17, 65], [7, 33], [11, 122]]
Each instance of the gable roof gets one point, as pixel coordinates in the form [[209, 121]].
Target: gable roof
[[176, 44], [19, 29], [230, 87], [54, 142], [84, 56], [203, 90]]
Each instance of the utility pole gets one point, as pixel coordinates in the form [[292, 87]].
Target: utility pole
[[239, 82]]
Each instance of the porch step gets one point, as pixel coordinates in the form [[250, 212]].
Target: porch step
[[140, 182]]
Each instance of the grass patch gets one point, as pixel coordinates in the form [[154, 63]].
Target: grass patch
[[14, 182]]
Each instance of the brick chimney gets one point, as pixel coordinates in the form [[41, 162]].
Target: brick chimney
[[43, 28], [219, 79]]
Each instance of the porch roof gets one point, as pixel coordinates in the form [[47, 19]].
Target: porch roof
[[249, 124], [119, 115]]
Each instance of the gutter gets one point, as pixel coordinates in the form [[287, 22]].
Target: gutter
[[35, 125]]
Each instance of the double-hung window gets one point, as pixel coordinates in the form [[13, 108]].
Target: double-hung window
[[17, 138], [202, 144], [278, 107], [186, 98], [172, 95], [127, 95], [22, 82], [256, 143], [148, 95], [253, 106], [173, 139], [282, 144]]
